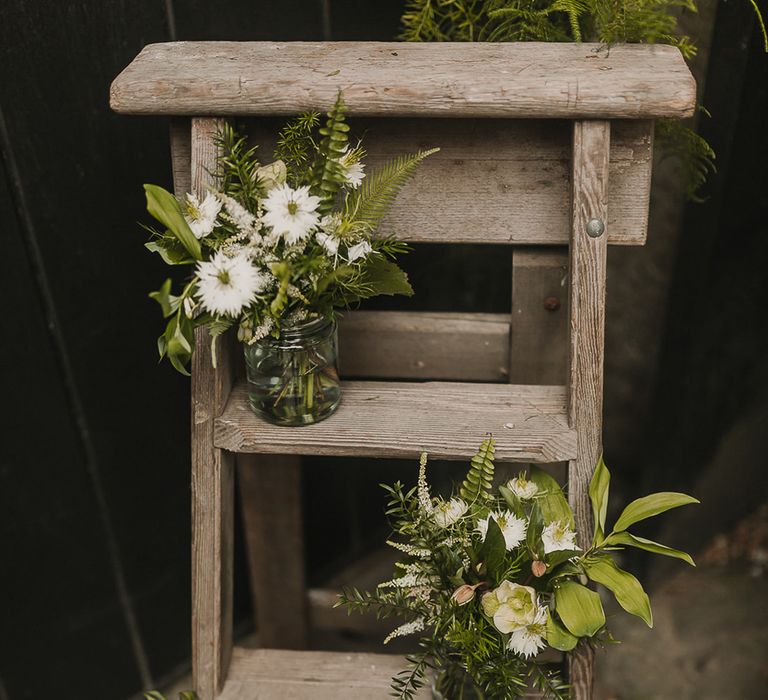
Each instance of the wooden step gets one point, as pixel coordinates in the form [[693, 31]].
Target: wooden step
[[401, 419]]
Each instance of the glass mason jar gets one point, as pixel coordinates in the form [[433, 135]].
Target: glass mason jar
[[293, 379]]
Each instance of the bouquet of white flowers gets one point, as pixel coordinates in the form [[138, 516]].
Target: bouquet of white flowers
[[491, 577], [276, 250]]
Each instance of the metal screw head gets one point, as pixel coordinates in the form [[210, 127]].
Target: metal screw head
[[552, 303], [595, 228]]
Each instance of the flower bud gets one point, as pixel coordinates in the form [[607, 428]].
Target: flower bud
[[539, 568], [464, 594]]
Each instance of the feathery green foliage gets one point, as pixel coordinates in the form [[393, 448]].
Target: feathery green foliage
[[476, 487], [692, 151], [296, 147], [328, 173], [237, 166]]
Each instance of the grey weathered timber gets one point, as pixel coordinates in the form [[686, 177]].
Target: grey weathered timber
[[496, 180], [424, 345], [591, 144], [270, 492], [520, 80], [402, 419], [180, 155], [212, 479]]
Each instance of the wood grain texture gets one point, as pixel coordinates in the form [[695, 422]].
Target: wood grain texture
[[591, 144], [181, 155], [212, 479], [270, 492], [424, 345], [526, 79], [403, 419], [496, 180]]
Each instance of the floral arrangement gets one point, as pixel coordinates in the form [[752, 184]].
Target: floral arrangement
[[493, 576], [280, 243]]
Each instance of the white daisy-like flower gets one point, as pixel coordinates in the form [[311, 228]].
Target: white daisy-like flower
[[226, 284], [329, 243], [446, 513], [201, 216], [529, 641], [291, 213], [512, 527], [359, 250], [522, 488], [558, 536], [354, 170]]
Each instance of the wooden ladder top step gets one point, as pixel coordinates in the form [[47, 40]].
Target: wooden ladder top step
[[401, 419], [520, 80]]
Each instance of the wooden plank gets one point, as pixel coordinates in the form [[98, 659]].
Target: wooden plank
[[270, 491], [539, 337], [591, 143], [181, 154], [424, 345], [403, 419], [497, 181], [525, 79], [212, 479]]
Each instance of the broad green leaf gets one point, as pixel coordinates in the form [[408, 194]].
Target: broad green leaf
[[559, 637], [179, 339], [168, 302], [512, 501], [557, 557], [187, 695], [598, 494], [493, 549], [153, 695], [382, 276], [624, 586], [533, 535], [625, 538], [170, 250], [554, 505], [649, 506], [165, 208], [579, 608]]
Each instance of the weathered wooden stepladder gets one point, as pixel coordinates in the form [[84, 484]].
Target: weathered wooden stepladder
[[543, 146]]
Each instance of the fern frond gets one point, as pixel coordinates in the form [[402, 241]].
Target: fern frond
[[477, 485], [370, 202], [328, 172], [695, 155]]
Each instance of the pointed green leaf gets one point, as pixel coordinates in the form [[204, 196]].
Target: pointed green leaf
[[533, 534], [168, 302], [187, 695], [598, 494], [649, 506], [382, 276], [165, 208], [512, 501], [559, 637], [170, 250], [553, 503], [579, 608], [557, 557], [624, 586], [493, 549], [625, 538]]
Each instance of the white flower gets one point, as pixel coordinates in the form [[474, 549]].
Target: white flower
[[558, 536], [353, 169], [511, 527], [422, 488], [522, 488], [239, 215], [201, 217], [359, 250], [408, 628], [330, 243], [291, 213], [228, 284], [529, 641], [446, 513], [410, 550]]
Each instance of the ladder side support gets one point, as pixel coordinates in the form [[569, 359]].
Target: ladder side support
[[212, 475], [591, 147]]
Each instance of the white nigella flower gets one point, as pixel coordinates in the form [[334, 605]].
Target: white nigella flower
[[291, 213], [512, 527], [353, 169], [359, 250], [558, 536], [446, 513], [228, 284], [201, 216], [522, 488], [329, 243], [529, 641]]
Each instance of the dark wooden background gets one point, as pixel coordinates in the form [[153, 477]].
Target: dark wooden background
[[94, 492]]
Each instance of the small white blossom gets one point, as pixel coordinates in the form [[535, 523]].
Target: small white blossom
[[422, 488], [201, 217], [353, 169], [406, 581], [330, 243], [408, 628], [359, 250], [410, 550], [512, 527], [262, 330], [558, 536], [291, 213], [529, 641], [226, 285], [523, 488], [446, 513], [239, 215]]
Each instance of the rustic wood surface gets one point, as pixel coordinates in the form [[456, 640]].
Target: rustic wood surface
[[270, 492], [181, 154], [497, 180], [402, 419], [527, 79], [591, 144], [212, 480], [424, 345]]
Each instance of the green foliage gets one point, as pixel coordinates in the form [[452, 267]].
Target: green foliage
[[183, 695], [692, 151], [598, 495], [237, 167], [327, 171], [624, 586], [164, 207], [551, 500], [629, 540], [649, 506], [297, 148], [476, 486], [579, 608]]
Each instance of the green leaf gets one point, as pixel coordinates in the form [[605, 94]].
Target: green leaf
[[625, 538], [557, 557], [649, 506], [554, 505], [598, 494], [187, 695], [170, 250], [559, 637], [179, 341], [624, 586], [165, 208], [533, 535], [382, 276], [579, 608], [493, 549], [168, 302], [512, 501]]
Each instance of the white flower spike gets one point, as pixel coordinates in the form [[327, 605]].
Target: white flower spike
[[291, 213]]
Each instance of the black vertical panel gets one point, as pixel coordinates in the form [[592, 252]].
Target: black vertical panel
[[352, 20]]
